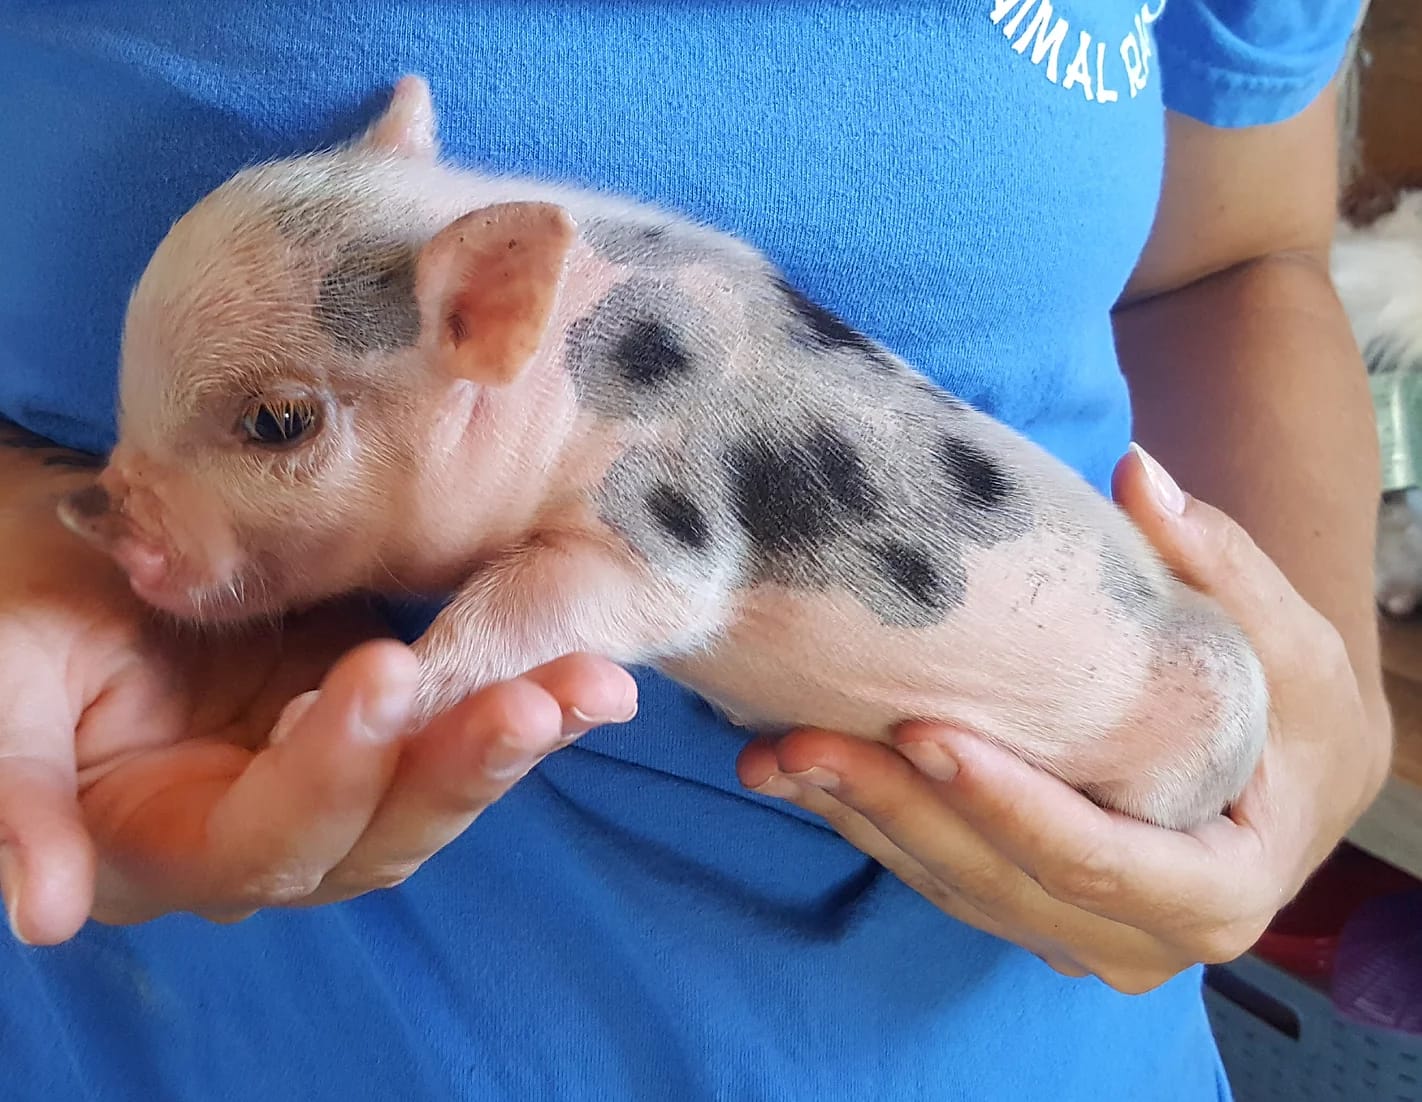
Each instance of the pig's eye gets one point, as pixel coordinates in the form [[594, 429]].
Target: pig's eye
[[277, 423]]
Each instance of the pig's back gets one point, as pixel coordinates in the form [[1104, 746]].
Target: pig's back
[[897, 553]]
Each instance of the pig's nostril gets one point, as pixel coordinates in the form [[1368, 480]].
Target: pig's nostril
[[90, 502]]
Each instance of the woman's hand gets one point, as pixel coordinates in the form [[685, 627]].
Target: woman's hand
[[135, 772], [1013, 851]]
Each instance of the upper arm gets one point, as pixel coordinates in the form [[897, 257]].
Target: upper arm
[[1231, 196]]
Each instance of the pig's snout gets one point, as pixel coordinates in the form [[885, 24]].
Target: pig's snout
[[145, 565], [96, 516]]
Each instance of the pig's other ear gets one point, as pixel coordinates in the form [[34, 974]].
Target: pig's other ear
[[487, 285], [408, 127]]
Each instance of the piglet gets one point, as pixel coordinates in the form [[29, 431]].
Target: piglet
[[603, 427]]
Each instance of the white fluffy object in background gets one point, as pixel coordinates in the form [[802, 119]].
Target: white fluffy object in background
[[1377, 269]]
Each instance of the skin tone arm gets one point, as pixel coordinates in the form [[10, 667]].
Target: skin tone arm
[[1247, 382], [1245, 379]]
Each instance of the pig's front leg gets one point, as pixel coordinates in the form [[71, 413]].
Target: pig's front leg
[[553, 597]]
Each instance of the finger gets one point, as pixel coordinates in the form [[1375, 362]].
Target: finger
[[302, 804], [47, 858], [908, 808], [1046, 939], [1209, 551], [860, 832], [292, 714], [470, 756], [1102, 862], [973, 880]]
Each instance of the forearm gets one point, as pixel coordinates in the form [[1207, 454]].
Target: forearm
[[31, 466], [34, 475], [1248, 387]]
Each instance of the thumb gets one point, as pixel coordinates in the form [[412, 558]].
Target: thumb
[[1209, 551], [46, 856]]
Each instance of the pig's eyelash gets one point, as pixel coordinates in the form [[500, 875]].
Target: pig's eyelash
[[279, 422], [22, 439]]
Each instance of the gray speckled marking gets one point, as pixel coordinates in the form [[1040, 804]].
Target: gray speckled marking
[[626, 500], [645, 245], [1126, 585], [689, 351], [366, 301], [811, 464], [917, 597]]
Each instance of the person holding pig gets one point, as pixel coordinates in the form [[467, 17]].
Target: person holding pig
[[1098, 224]]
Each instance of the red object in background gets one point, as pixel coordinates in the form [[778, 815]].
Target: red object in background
[[1303, 937]]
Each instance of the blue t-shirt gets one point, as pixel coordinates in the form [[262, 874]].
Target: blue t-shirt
[[970, 181]]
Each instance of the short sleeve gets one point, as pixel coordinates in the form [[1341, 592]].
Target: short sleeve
[[1234, 63]]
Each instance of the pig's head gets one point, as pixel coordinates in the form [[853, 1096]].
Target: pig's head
[[302, 356]]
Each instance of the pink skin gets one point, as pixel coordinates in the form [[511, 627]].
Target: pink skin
[[463, 463], [168, 537]]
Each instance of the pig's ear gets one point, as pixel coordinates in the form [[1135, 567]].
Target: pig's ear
[[487, 285], [408, 127]]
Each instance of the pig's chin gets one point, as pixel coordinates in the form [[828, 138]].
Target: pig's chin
[[234, 601]]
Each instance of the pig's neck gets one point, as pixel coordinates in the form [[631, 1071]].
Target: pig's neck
[[502, 464], [486, 473]]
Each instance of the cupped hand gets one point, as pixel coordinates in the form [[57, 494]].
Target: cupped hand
[[1013, 851], [137, 776]]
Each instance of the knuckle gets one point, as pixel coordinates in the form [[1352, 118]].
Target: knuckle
[[521, 705], [990, 887], [1331, 651], [227, 916], [1222, 944], [887, 815], [278, 887], [372, 877], [844, 819], [918, 880], [1137, 980], [1091, 876], [1233, 544], [1065, 966]]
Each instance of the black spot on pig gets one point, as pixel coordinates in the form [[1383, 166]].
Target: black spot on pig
[[910, 570], [649, 355], [640, 244], [644, 352], [366, 301], [793, 494], [679, 517], [826, 331], [843, 473], [981, 480], [777, 497], [902, 583]]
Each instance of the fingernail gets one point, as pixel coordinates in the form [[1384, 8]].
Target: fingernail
[[507, 757], [816, 777], [623, 716], [930, 759], [1164, 489], [294, 710], [10, 885], [777, 786], [385, 716]]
